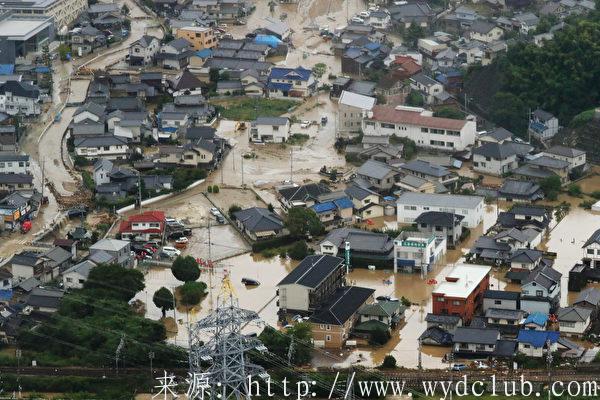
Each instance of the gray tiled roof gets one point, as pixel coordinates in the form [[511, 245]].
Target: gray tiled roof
[[495, 150], [257, 219], [361, 240], [374, 169], [564, 151], [440, 200], [439, 218], [476, 335], [589, 295], [342, 305], [544, 276], [574, 314], [270, 121], [425, 167]]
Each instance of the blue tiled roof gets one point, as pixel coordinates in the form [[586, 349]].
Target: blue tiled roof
[[204, 53], [537, 338], [389, 198], [324, 207], [284, 87], [269, 40], [537, 318], [7, 69], [293, 74], [6, 294], [537, 126], [372, 46], [42, 69], [342, 203]]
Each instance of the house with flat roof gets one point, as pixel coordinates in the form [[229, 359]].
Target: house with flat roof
[[420, 126], [410, 205], [352, 108], [333, 321], [23, 35], [461, 293], [311, 283], [417, 251]]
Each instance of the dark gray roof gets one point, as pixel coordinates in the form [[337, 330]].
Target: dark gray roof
[[342, 305], [304, 192], [476, 335], [12, 156], [594, 238], [46, 298], [258, 219], [548, 162], [101, 257], [543, 115], [564, 151], [495, 150], [312, 271], [200, 132], [146, 41], [374, 169], [179, 44], [513, 187], [358, 192], [270, 121], [21, 89], [501, 295], [501, 313], [442, 319], [440, 200], [361, 240], [437, 335], [526, 255], [424, 79], [499, 134], [481, 26], [574, 314], [83, 268], [529, 210], [505, 348], [439, 218], [58, 255], [97, 141], [16, 178], [544, 276], [425, 167], [589, 295]]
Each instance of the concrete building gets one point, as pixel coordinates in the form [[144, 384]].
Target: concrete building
[[143, 50], [501, 300], [23, 35], [364, 245], [411, 205], [462, 291], [199, 37], [119, 249], [575, 157], [63, 12], [19, 98], [352, 108], [441, 224], [420, 126], [311, 283], [13, 163], [270, 130], [417, 251]]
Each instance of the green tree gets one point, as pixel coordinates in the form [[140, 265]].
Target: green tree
[[413, 34], [63, 50], [389, 362], [510, 112], [125, 10], [279, 343], [185, 269], [415, 99], [213, 75], [215, 189], [113, 281], [163, 299], [449, 112], [319, 69], [298, 251], [271, 208], [551, 186], [192, 293], [233, 209], [302, 221], [379, 337], [574, 190]]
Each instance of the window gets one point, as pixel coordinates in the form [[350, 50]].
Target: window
[[411, 208], [328, 338], [69, 280], [526, 346], [327, 327], [456, 303], [589, 251], [539, 293], [424, 130], [388, 126], [275, 129], [441, 299], [497, 302], [321, 326], [106, 148]]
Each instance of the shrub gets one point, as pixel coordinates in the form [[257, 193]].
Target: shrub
[[233, 209], [574, 190], [298, 251], [595, 194], [272, 243], [405, 302], [88, 181], [192, 292], [209, 189], [185, 269], [389, 362], [215, 189]]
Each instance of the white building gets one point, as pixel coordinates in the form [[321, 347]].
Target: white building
[[575, 157], [494, 158], [19, 98], [543, 124], [428, 86], [412, 204], [270, 130], [420, 126], [574, 321], [63, 12], [352, 108], [75, 277], [591, 249], [109, 147], [143, 50], [13, 163], [417, 251], [120, 250]]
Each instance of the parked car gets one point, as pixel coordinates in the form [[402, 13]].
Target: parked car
[[187, 232], [304, 124], [176, 235], [459, 367], [182, 239], [171, 252], [220, 219], [481, 365], [250, 282], [76, 212], [215, 211]]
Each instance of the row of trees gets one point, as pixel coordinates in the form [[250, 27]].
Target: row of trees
[[186, 270]]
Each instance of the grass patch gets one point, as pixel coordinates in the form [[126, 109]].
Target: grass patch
[[298, 139], [245, 109]]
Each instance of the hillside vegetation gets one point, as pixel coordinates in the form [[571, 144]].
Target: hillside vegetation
[[560, 77]]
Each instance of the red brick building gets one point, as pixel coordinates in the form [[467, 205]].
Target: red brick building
[[462, 291]]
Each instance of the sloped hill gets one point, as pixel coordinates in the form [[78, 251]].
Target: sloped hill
[[584, 133]]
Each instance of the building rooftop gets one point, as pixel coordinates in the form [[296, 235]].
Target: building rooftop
[[20, 28], [476, 335], [342, 305], [462, 280], [403, 116], [312, 271], [356, 100], [440, 200]]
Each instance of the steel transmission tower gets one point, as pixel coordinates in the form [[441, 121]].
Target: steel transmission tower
[[217, 341]]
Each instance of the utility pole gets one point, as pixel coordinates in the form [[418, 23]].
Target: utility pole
[[18, 353], [242, 170], [292, 164], [140, 190], [291, 349], [151, 357], [43, 176], [210, 271], [420, 361], [118, 353]]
